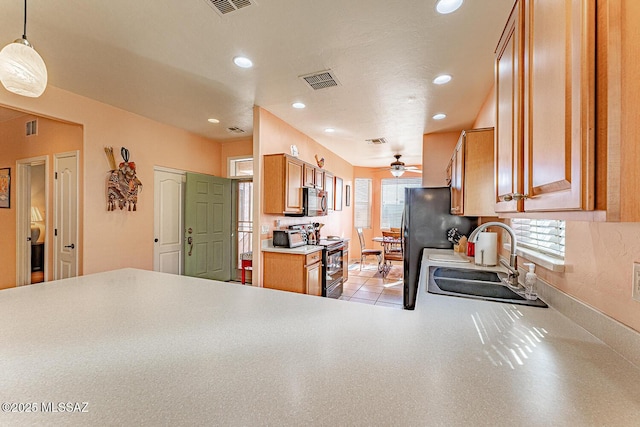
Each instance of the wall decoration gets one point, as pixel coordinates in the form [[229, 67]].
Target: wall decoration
[[347, 195], [5, 188], [123, 185], [338, 198], [320, 162]]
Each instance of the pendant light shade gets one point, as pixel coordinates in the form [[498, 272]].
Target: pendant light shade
[[22, 70]]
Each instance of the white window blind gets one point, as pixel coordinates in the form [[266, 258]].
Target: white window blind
[[362, 203], [543, 235], [392, 199]]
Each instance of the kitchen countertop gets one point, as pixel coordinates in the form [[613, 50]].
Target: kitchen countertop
[[267, 246], [150, 348]]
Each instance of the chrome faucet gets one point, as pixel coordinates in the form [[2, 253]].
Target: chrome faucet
[[512, 279]]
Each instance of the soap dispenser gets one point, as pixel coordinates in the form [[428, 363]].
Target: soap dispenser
[[530, 280]]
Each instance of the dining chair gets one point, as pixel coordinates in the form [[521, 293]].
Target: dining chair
[[392, 248], [364, 252]]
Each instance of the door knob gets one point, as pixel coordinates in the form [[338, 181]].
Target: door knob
[[71, 246], [190, 242]]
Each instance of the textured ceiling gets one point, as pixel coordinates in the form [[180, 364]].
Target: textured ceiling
[[172, 61]]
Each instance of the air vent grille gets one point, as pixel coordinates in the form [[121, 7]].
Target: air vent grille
[[31, 127], [321, 80], [224, 7], [235, 129], [377, 141]]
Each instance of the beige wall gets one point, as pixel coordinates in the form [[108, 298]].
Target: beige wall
[[235, 148], [273, 135], [53, 137], [599, 258], [120, 239]]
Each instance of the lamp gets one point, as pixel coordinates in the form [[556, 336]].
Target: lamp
[[397, 172], [36, 216], [22, 70]]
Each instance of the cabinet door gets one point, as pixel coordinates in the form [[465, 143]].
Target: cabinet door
[[319, 179], [457, 178], [328, 187], [314, 279], [309, 175], [293, 190], [559, 108], [508, 140]]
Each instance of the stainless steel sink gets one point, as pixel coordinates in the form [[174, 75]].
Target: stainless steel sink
[[478, 284]]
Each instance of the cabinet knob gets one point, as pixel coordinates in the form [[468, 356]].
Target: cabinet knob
[[514, 196]]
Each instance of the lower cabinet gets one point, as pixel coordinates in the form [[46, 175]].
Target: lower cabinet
[[293, 272]]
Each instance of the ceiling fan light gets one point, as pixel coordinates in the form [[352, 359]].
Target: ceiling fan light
[[397, 172], [22, 70]]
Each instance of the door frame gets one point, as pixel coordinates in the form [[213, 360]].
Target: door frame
[[23, 217], [156, 215], [56, 157]]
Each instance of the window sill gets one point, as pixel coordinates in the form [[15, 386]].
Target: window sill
[[537, 258]]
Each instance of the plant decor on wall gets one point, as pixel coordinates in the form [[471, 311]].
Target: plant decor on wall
[[123, 185]]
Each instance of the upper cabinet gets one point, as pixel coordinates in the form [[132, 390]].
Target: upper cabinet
[[328, 187], [470, 173], [283, 182], [545, 83]]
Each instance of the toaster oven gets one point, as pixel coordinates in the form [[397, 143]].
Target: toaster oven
[[289, 238]]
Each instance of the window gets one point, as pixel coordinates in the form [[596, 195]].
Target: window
[[542, 235], [245, 218], [241, 167], [392, 199], [362, 203]]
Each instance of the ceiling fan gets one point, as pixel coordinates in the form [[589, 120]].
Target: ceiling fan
[[398, 168]]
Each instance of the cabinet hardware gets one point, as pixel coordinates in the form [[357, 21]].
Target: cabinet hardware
[[71, 246], [514, 196]]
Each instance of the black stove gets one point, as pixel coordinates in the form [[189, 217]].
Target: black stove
[[333, 260]]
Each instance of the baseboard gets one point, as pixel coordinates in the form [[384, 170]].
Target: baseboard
[[622, 339]]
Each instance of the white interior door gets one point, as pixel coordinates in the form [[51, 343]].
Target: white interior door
[[168, 221], [65, 216]]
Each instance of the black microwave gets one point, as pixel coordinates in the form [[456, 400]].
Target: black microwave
[[314, 202]]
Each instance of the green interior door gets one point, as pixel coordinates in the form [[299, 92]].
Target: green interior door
[[208, 221]]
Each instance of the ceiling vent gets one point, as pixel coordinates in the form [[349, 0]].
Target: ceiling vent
[[31, 127], [321, 80], [224, 7], [235, 129], [377, 141]]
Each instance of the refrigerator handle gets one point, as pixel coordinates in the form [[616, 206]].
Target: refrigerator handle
[[402, 228]]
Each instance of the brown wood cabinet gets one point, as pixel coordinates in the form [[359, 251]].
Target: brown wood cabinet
[[283, 182], [319, 179], [293, 272], [618, 174], [328, 187], [545, 83], [309, 173], [471, 169]]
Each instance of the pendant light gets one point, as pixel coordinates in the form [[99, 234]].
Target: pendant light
[[22, 70]]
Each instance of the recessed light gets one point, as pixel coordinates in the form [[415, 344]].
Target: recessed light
[[442, 79], [213, 120], [329, 130], [298, 105], [242, 62], [448, 6], [439, 116]]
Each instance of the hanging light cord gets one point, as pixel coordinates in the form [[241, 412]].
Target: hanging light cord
[[24, 35]]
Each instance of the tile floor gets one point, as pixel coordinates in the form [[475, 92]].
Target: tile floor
[[369, 287]]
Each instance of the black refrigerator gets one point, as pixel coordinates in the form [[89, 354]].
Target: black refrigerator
[[426, 219]]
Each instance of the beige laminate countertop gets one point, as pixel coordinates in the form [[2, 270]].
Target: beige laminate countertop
[[146, 348], [300, 250]]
